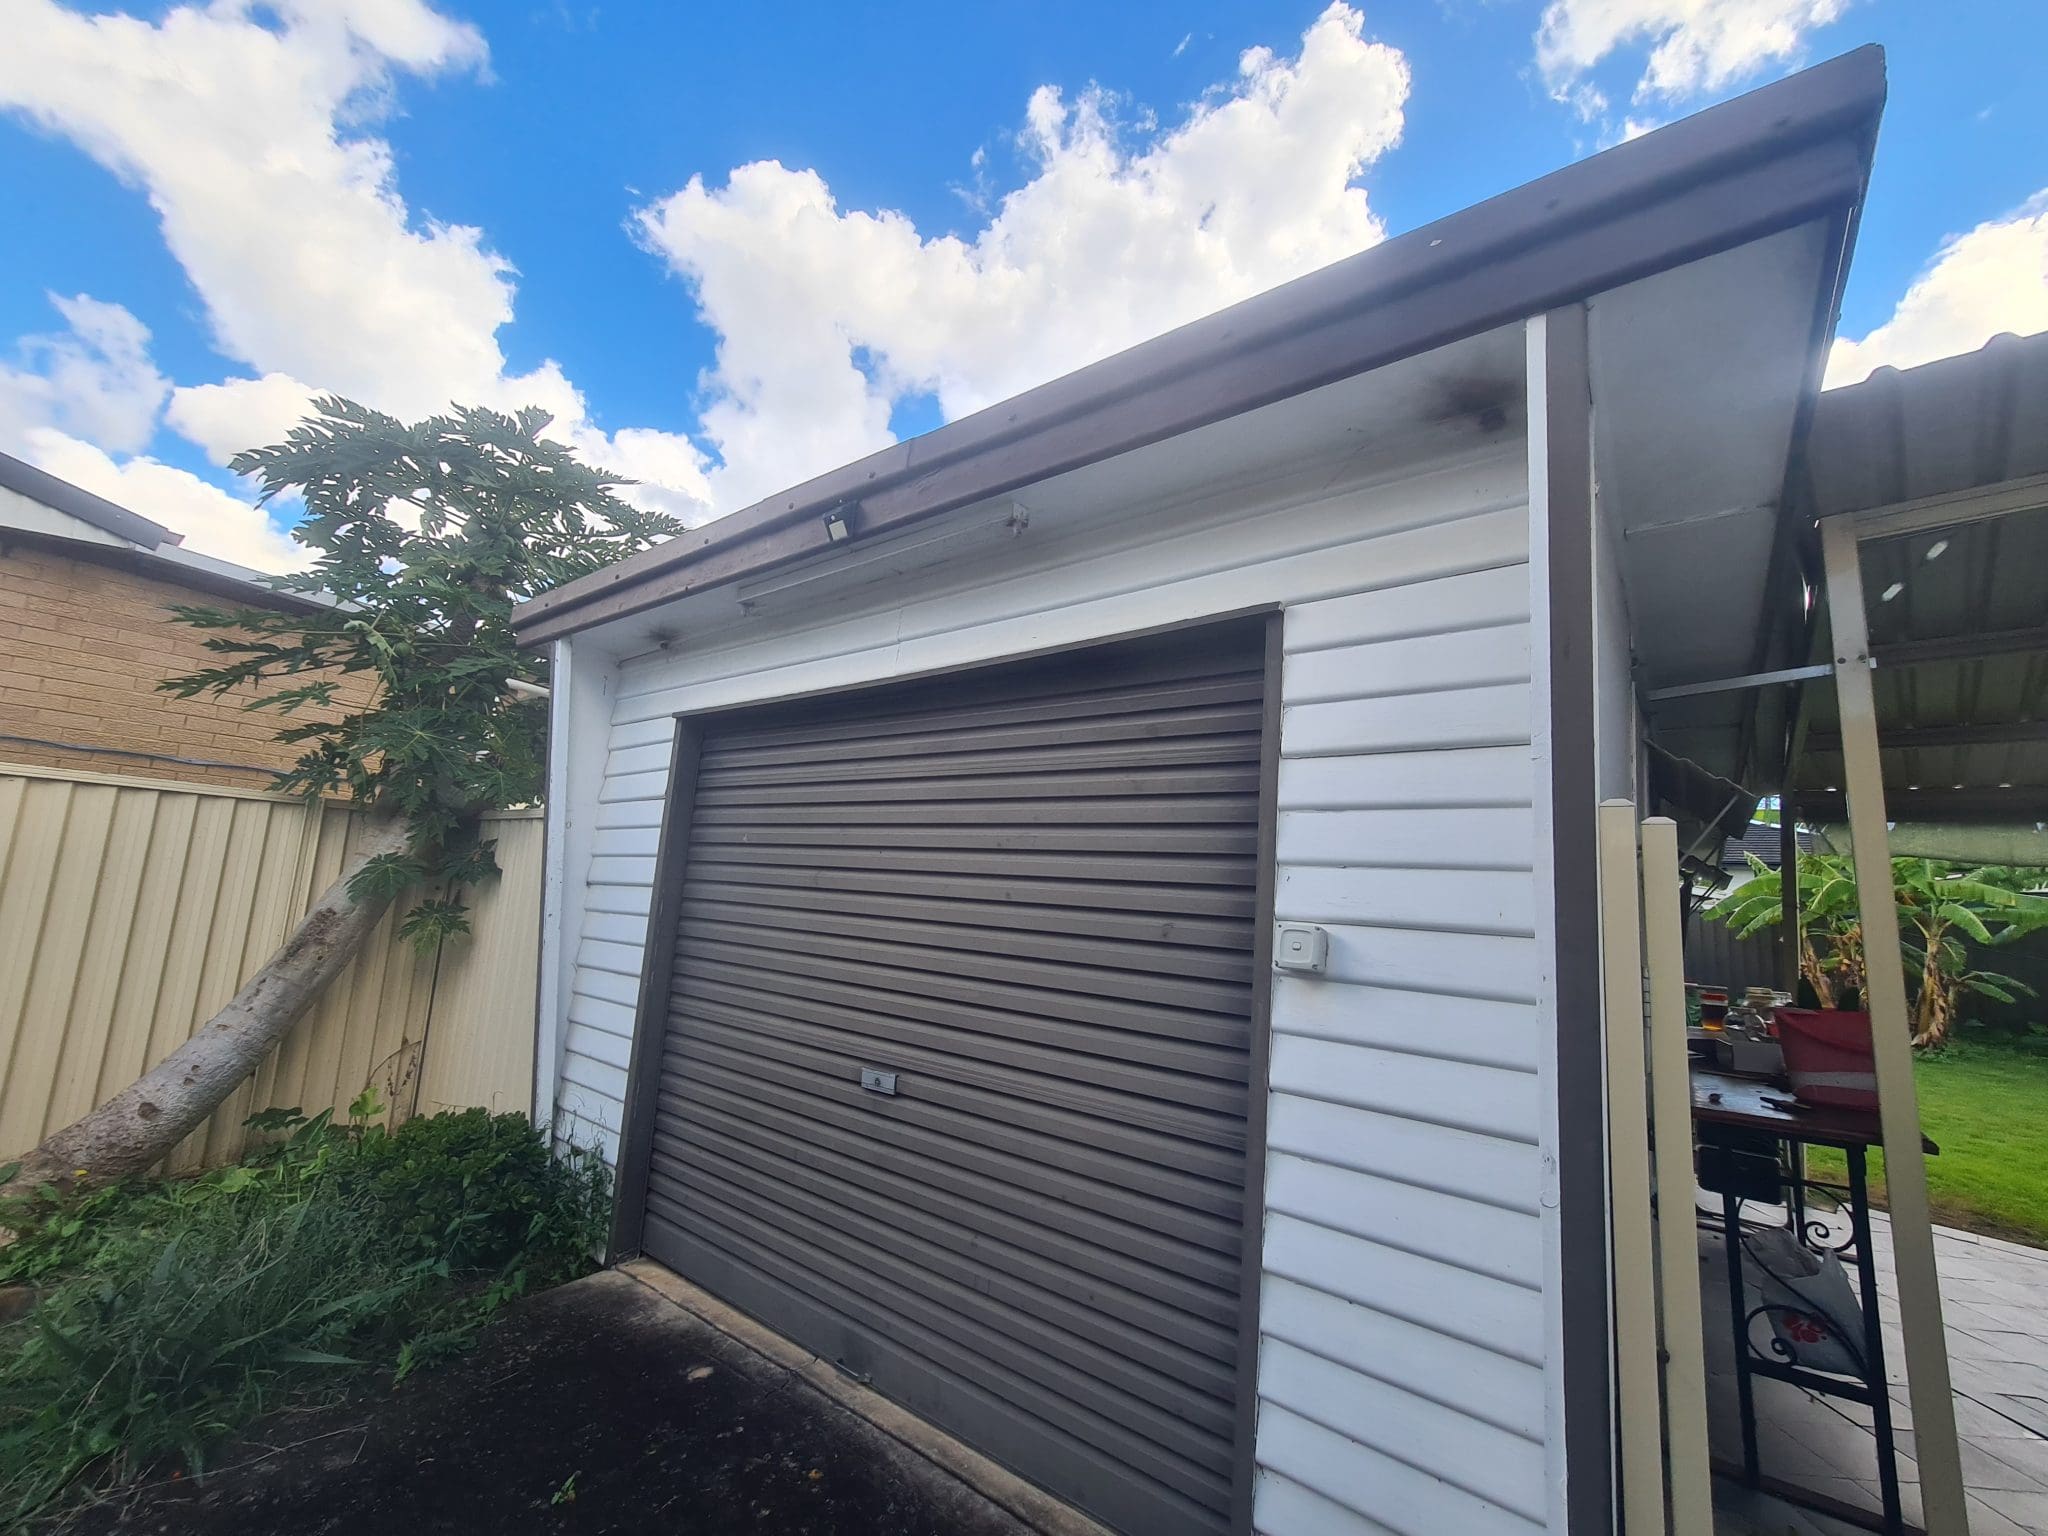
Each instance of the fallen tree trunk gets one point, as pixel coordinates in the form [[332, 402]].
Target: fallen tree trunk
[[140, 1125]]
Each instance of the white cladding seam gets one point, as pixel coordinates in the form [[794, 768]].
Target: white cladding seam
[[1402, 1371]]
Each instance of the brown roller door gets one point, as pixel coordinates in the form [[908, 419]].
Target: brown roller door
[[1028, 893]]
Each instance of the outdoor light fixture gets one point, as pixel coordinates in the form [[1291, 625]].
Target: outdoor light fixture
[[885, 555], [1891, 591], [1936, 550]]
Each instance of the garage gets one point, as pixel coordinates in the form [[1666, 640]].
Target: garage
[[939, 942], [959, 1021]]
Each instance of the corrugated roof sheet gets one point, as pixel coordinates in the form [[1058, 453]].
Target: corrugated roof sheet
[[1952, 425]]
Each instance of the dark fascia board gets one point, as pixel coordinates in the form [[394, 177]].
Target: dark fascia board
[[1793, 151], [40, 485]]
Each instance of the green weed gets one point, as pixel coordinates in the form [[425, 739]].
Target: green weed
[[173, 1312]]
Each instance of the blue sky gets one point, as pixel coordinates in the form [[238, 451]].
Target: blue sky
[[733, 246]]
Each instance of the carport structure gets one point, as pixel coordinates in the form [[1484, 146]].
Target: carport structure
[[1907, 703], [1942, 473], [1931, 492]]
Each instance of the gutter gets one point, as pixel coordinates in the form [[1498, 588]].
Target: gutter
[[1793, 151]]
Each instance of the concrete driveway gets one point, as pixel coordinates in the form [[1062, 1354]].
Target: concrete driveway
[[603, 1407]]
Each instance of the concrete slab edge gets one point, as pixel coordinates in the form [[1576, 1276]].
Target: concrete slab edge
[[1022, 1500]]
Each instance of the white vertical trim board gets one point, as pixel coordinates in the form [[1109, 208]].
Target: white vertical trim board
[[1543, 905], [557, 956], [583, 685], [1404, 1333]]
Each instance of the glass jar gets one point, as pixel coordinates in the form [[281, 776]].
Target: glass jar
[[1713, 1008]]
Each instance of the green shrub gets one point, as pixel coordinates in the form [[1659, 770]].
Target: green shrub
[[172, 1312], [476, 1189]]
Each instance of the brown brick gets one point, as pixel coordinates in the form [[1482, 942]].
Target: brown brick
[[82, 648]]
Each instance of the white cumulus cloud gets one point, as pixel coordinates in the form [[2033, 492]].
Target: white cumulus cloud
[[227, 417], [246, 127], [94, 380], [829, 317], [1692, 47], [1992, 279], [251, 129]]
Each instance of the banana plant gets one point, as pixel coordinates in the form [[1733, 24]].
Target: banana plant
[[1943, 911]]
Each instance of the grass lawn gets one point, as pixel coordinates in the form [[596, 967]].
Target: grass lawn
[[1986, 1107]]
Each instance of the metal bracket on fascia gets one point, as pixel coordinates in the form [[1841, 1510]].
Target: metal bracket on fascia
[[1747, 680]]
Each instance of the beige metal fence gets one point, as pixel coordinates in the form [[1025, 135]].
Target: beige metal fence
[[131, 909]]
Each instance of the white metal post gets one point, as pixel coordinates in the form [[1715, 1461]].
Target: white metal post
[[1944, 1509], [1678, 1246], [1628, 1125]]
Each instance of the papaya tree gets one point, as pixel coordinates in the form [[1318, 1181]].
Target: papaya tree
[[1943, 910], [423, 537]]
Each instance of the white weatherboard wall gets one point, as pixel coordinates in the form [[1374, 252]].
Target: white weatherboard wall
[[1406, 1307]]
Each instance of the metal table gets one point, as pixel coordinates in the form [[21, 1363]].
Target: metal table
[[1730, 1115]]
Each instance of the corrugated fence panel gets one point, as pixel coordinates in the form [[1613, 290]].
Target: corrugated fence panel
[[480, 1041], [1714, 955], [365, 1031], [242, 934], [126, 909], [131, 910]]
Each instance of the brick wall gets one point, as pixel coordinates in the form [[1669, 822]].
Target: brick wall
[[82, 647]]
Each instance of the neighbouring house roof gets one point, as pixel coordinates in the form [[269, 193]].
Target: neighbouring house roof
[[35, 504], [1791, 154], [1958, 611], [1761, 840], [75, 501]]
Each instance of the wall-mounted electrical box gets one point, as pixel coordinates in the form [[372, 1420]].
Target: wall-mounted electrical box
[[1302, 948]]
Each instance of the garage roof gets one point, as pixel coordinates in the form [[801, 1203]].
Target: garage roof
[[1792, 153], [1958, 609]]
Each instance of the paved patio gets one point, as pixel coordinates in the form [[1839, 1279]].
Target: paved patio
[[1995, 1305]]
